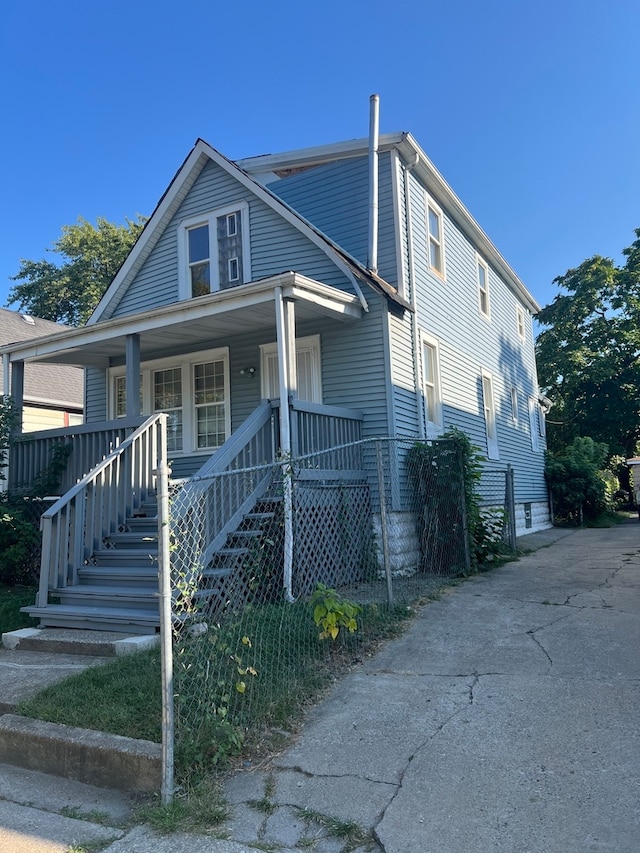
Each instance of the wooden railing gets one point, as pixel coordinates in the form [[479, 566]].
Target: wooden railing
[[213, 502], [315, 427], [76, 525], [31, 454], [229, 484]]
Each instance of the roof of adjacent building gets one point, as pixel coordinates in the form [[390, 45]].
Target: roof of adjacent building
[[53, 386]]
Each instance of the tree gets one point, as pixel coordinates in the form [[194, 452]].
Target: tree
[[589, 354], [69, 292]]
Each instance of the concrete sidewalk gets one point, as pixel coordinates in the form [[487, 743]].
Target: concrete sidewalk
[[506, 719]]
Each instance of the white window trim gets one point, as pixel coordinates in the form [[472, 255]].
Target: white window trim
[[515, 405], [493, 451], [480, 262], [311, 343], [186, 364], [429, 203], [432, 428], [210, 218], [534, 424], [520, 323]]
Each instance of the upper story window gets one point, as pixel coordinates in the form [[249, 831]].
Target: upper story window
[[435, 238], [520, 323], [483, 288], [514, 405], [213, 251]]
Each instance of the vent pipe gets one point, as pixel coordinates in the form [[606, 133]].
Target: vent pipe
[[374, 122]]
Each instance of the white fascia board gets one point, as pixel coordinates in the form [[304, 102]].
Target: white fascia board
[[243, 296], [315, 155], [443, 193], [433, 180], [166, 207]]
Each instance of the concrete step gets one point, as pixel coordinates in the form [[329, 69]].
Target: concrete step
[[72, 642], [96, 758]]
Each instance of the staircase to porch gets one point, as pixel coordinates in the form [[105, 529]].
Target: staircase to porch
[[100, 561]]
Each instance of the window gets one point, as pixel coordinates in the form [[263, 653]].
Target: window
[[308, 370], [213, 251], [520, 322], [542, 422], [483, 288], [435, 238], [490, 416], [194, 395], [431, 386], [514, 405]]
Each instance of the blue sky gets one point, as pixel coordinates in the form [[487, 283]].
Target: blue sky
[[531, 111]]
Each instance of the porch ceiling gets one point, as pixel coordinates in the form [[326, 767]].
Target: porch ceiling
[[191, 323]]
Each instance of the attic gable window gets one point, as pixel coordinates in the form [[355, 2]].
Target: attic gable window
[[213, 251], [435, 238]]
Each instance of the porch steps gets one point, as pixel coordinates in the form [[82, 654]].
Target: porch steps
[[117, 590]]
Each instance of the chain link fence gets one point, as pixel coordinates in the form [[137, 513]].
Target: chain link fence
[[305, 551]]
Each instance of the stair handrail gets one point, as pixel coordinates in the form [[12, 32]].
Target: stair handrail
[[94, 507], [252, 450]]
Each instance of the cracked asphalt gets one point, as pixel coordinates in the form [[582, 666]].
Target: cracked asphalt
[[505, 720]]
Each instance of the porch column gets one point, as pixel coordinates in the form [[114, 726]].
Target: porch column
[[132, 375], [285, 337]]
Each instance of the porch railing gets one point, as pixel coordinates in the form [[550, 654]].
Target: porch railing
[[225, 498], [76, 525], [31, 454]]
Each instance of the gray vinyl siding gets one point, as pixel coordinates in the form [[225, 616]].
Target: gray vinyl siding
[[335, 198], [276, 245], [468, 343], [95, 395]]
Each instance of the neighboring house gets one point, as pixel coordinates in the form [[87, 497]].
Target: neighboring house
[[270, 279], [53, 395]]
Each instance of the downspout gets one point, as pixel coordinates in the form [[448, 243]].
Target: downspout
[[417, 372], [374, 132]]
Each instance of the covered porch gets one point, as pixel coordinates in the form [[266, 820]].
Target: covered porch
[[104, 504]]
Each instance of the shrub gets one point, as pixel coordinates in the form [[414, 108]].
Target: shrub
[[19, 539], [576, 478]]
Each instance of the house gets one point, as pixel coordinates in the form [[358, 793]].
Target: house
[[53, 396], [344, 289]]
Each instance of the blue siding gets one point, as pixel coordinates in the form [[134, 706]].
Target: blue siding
[[276, 245], [334, 197], [469, 343]]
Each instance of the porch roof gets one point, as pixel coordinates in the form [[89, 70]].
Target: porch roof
[[190, 322]]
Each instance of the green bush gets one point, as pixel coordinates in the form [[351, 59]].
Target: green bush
[[577, 481], [19, 540]]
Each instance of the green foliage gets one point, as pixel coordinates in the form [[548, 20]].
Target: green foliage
[[575, 477], [8, 422], [588, 355], [331, 612], [12, 598], [69, 292], [19, 539]]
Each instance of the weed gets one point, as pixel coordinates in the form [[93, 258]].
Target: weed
[[93, 816], [196, 808]]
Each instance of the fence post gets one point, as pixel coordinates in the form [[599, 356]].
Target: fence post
[[164, 571], [383, 523], [510, 501]]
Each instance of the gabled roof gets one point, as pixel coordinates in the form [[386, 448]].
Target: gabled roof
[[44, 384], [268, 168], [175, 194]]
